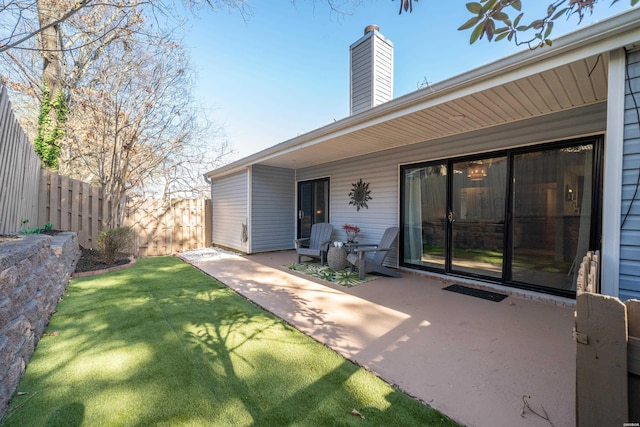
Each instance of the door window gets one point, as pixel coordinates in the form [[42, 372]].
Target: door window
[[551, 215], [313, 205], [477, 216], [425, 215]]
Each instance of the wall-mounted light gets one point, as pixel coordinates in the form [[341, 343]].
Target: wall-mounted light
[[571, 196]]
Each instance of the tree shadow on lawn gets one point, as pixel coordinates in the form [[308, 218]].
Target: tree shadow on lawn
[[162, 342]]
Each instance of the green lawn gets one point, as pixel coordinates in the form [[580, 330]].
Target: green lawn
[[161, 343]]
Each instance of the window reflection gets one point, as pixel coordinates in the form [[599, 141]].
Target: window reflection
[[552, 215]]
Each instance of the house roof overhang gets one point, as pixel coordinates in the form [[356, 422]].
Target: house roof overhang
[[571, 74]]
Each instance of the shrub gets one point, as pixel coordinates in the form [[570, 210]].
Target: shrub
[[114, 241], [36, 230]]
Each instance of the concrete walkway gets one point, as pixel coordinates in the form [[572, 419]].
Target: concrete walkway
[[472, 359]]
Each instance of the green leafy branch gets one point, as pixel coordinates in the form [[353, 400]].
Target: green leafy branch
[[492, 20]]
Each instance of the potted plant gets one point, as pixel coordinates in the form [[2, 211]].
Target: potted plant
[[352, 232]]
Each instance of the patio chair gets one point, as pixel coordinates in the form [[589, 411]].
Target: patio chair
[[317, 245], [370, 257]]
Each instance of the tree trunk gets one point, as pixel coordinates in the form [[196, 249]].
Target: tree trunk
[[51, 49]]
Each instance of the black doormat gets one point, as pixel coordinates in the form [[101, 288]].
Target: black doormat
[[479, 293]]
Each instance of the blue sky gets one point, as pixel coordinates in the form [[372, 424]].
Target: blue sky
[[284, 70]]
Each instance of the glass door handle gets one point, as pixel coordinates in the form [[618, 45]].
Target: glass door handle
[[451, 217], [300, 214]]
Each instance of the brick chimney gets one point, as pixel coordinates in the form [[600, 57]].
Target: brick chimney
[[371, 68]]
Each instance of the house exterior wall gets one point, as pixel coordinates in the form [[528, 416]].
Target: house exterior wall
[[382, 177], [629, 281], [381, 170], [230, 196], [273, 208]]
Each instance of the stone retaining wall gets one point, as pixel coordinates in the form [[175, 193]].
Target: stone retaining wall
[[34, 272]]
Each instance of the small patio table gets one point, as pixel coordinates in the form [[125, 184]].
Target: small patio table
[[337, 258]]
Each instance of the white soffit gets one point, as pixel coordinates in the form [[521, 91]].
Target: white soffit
[[569, 86]]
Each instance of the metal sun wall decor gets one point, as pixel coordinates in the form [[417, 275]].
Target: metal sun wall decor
[[359, 194]]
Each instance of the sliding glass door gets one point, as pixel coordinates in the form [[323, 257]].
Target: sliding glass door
[[477, 216], [552, 208], [425, 214], [522, 217]]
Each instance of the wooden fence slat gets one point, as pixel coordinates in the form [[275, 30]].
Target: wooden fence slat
[[83, 234], [633, 314], [633, 321], [64, 204], [601, 365], [633, 358], [76, 206], [54, 200], [94, 222], [596, 261], [43, 197], [15, 217], [19, 168], [8, 211]]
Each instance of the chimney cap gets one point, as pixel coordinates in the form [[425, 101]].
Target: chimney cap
[[372, 27]]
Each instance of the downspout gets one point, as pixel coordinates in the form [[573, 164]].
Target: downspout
[[248, 244], [209, 181], [613, 165]]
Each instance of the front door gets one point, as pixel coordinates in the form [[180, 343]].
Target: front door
[[313, 204]]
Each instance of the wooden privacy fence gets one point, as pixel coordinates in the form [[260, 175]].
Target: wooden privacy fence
[[607, 333], [32, 197], [163, 228], [19, 173], [72, 205]]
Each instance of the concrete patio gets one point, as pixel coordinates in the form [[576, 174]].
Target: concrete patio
[[474, 360]]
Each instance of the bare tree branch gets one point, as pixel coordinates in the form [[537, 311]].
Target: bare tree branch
[[11, 44]]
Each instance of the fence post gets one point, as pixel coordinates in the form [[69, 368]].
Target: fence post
[[633, 316], [601, 361]]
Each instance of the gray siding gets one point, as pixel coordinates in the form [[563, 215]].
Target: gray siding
[[229, 197], [361, 76], [381, 169], [273, 206], [630, 231], [383, 72], [371, 72]]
